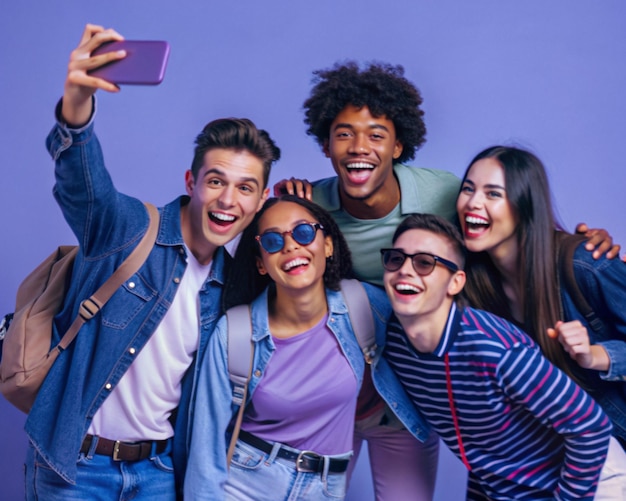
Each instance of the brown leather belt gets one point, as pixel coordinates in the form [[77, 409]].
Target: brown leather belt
[[123, 451], [306, 461]]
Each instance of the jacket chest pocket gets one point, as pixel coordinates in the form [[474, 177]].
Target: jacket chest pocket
[[132, 297]]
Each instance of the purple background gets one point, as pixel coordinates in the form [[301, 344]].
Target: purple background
[[549, 76]]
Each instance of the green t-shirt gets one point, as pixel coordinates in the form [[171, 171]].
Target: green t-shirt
[[421, 190]]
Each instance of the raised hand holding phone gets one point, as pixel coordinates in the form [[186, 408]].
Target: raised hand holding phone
[[79, 85], [97, 64]]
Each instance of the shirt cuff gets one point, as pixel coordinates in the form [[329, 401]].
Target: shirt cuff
[[617, 368], [74, 130]]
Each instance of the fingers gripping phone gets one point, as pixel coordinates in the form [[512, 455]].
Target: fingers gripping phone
[[144, 63]]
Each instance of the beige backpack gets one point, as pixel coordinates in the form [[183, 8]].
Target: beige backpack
[[27, 354]]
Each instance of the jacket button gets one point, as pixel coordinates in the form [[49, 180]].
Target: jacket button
[[177, 280], [131, 285], [257, 373], [132, 351], [108, 386]]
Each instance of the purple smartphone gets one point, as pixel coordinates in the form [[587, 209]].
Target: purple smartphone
[[144, 63]]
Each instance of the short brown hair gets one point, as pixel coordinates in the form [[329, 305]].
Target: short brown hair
[[437, 225], [239, 134]]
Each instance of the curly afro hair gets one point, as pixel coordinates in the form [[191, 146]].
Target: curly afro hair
[[379, 86]]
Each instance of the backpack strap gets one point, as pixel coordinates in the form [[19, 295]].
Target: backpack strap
[[92, 305], [240, 361], [361, 316], [566, 246], [239, 349]]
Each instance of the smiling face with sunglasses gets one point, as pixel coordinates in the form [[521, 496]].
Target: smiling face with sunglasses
[[293, 249], [422, 278]]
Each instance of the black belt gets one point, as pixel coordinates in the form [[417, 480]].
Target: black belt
[[123, 451], [306, 461]]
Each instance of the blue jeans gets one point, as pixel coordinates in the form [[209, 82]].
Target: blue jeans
[[257, 476], [101, 478]]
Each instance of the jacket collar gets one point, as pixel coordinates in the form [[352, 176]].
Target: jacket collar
[[170, 234], [259, 311]]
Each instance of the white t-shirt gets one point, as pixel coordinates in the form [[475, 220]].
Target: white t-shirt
[[139, 407]]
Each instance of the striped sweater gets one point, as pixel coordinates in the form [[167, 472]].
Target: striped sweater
[[526, 431]]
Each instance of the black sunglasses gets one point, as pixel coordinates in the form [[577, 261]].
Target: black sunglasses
[[423, 262], [302, 233]]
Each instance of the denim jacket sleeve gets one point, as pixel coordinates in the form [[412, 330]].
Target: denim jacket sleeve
[[103, 220], [385, 380], [603, 283], [207, 470]]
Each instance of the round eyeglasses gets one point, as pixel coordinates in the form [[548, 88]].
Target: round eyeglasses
[[423, 262], [302, 233]]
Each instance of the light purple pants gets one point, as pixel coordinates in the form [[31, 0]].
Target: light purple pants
[[402, 467]]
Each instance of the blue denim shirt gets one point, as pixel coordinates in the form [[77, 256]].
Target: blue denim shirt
[[108, 225], [207, 469], [603, 284]]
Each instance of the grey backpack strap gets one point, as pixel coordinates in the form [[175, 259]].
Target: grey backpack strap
[[239, 349], [240, 361], [361, 316]]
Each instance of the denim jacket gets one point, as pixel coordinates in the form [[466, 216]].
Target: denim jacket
[[207, 469], [108, 225], [603, 284]]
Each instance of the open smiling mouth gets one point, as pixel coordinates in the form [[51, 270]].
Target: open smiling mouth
[[475, 224], [359, 166], [359, 172], [221, 219], [406, 289], [296, 263]]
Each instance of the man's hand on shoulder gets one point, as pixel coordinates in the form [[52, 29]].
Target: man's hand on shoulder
[[599, 241], [302, 188]]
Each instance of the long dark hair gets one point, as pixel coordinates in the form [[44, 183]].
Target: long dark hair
[[245, 283], [528, 191]]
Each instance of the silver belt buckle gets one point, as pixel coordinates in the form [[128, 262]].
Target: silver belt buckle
[[116, 450], [300, 459]]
